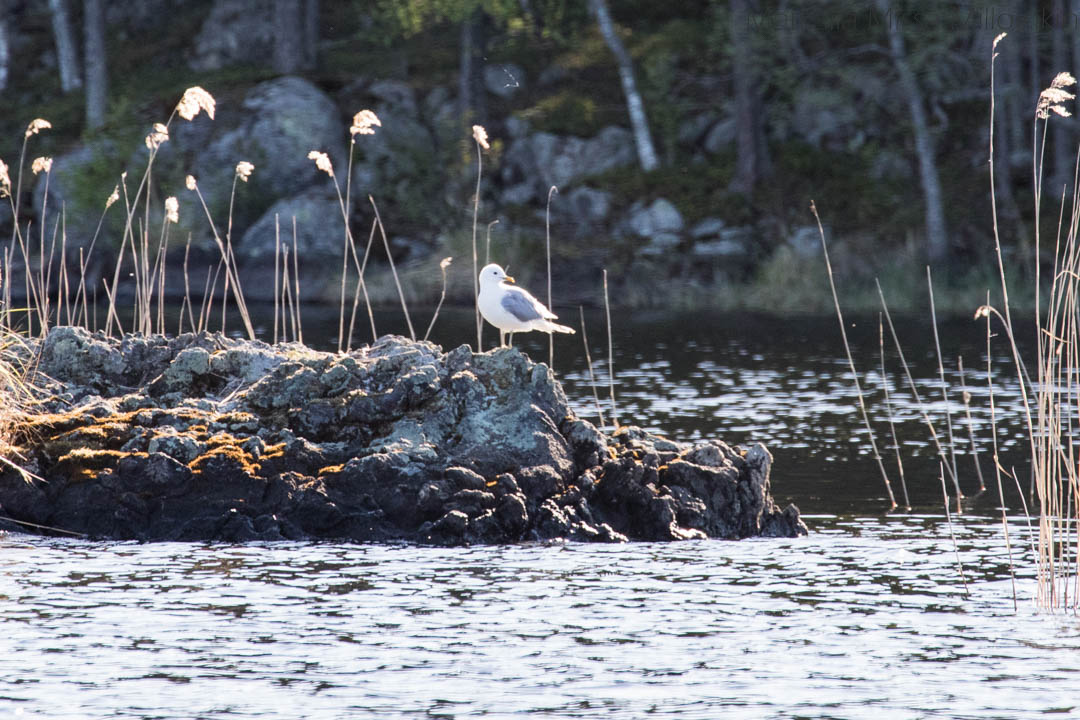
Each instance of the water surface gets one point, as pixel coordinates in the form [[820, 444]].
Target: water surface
[[868, 617]]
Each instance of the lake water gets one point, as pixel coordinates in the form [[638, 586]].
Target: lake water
[[866, 617]]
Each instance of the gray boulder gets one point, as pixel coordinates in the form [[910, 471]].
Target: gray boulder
[[708, 228], [71, 188], [234, 31], [660, 217], [397, 162], [320, 228], [280, 121], [588, 205], [721, 136], [543, 159]]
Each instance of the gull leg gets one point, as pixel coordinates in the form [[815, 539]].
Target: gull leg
[[511, 339], [502, 339]]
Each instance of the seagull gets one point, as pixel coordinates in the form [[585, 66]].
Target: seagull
[[513, 309]]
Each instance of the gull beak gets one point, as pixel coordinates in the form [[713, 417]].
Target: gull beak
[[508, 279]]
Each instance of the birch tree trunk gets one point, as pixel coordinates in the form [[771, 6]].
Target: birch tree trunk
[[472, 107], [5, 46], [1015, 107], [936, 238], [750, 148], [67, 53], [288, 36], [639, 123], [311, 34], [97, 80], [1062, 159]]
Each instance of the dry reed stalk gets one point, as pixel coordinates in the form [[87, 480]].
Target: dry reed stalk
[[393, 270], [289, 299], [944, 389], [81, 292], [998, 470], [298, 318], [911, 382], [63, 299], [361, 286], [443, 264], [480, 138], [277, 277], [970, 425], [487, 250], [611, 357], [547, 251], [948, 518], [9, 251], [208, 297], [588, 362], [43, 277], [231, 275], [889, 413], [111, 315], [187, 286], [124, 238], [161, 284], [84, 260], [851, 363]]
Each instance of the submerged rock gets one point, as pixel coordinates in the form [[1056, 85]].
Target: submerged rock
[[202, 437]]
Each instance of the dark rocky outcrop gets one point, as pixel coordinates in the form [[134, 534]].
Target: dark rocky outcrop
[[202, 437]]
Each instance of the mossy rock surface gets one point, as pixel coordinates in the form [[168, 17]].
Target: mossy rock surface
[[202, 437]]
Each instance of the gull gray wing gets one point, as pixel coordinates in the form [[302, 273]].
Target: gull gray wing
[[520, 304]]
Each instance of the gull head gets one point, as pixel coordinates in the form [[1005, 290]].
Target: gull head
[[492, 275]]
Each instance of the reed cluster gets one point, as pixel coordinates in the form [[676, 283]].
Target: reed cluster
[[1050, 400]]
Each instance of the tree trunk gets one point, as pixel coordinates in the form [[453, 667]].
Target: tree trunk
[[750, 147], [288, 36], [1004, 149], [639, 123], [5, 46], [311, 34], [472, 107], [67, 52], [937, 241], [1062, 159], [1015, 105], [1075, 49], [97, 80]]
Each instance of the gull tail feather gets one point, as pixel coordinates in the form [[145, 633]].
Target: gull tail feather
[[555, 327]]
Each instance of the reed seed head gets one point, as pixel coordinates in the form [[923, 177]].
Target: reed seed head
[[998, 39], [322, 161], [36, 125], [189, 181], [172, 210], [41, 164], [158, 137], [1053, 98], [982, 311], [113, 197], [364, 123], [445, 263], [480, 136], [194, 100], [243, 170], [5, 180]]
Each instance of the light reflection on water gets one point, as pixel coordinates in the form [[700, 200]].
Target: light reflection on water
[[865, 618]]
